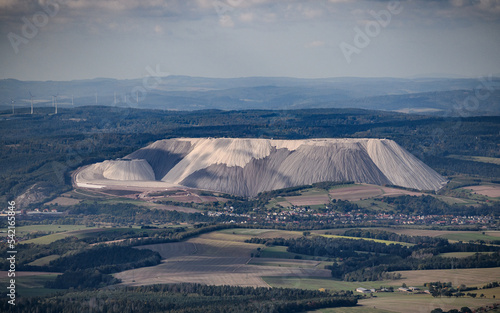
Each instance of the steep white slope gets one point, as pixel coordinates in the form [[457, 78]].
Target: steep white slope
[[249, 166], [132, 170], [228, 151], [401, 167]]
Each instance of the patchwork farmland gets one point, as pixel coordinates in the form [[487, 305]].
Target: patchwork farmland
[[213, 259]]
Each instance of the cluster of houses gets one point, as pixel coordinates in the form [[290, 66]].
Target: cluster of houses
[[297, 214], [414, 290], [34, 212]]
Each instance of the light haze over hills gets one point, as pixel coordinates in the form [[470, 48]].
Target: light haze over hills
[[440, 96]]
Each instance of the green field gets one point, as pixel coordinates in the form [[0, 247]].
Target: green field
[[467, 236], [408, 303], [45, 260], [318, 283], [459, 254], [356, 309], [32, 286], [44, 240], [387, 242], [23, 230], [476, 159], [383, 302], [374, 204]]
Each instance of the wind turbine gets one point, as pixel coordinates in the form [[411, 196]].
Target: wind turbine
[[115, 97], [72, 102], [12, 102], [96, 99], [31, 98], [54, 98]]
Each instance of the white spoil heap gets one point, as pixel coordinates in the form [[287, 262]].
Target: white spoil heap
[[248, 166]]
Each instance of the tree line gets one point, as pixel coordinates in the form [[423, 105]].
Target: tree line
[[361, 260], [186, 298]]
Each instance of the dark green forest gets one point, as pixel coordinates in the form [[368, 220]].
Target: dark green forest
[[44, 148], [364, 260], [185, 298]]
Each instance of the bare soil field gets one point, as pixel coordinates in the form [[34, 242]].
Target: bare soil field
[[467, 276], [356, 192], [175, 208], [492, 191], [214, 259], [364, 191], [422, 303], [308, 200], [242, 234], [184, 198], [285, 262]]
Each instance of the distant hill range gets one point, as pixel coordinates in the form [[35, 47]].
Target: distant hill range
[[438, 96], [247, 167]]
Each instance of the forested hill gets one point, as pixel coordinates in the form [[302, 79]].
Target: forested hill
[[440, 96], [43, 148]]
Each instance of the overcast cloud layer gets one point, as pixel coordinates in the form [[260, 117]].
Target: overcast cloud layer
[[79, 39]]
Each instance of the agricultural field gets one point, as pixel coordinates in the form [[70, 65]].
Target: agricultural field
[[50, 233], [43, 240], [492, 191], [387, 242], [308, 197], [308, 200], [468, 276], [288, 263], [398, 302], [215, 258], [467, 236], [365, 191], [262, 233], [476, 159], [449, 234], [357, 309], [422, 303], [112, 196], [23, 230], [459, 254], [279, 252], [31, 284], [64, 201], [45, 260], [315, 283]]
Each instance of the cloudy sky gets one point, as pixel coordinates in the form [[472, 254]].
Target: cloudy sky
[[80, 39]]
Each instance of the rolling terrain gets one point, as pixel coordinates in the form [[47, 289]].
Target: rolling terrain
[[436, 96]]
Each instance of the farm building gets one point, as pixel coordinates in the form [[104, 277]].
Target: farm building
[[364, 290]]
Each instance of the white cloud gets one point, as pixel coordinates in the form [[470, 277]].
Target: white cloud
[[315, 44], [226, 21], [312, 13], [457, 3], [158, 29], [247, 17]]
